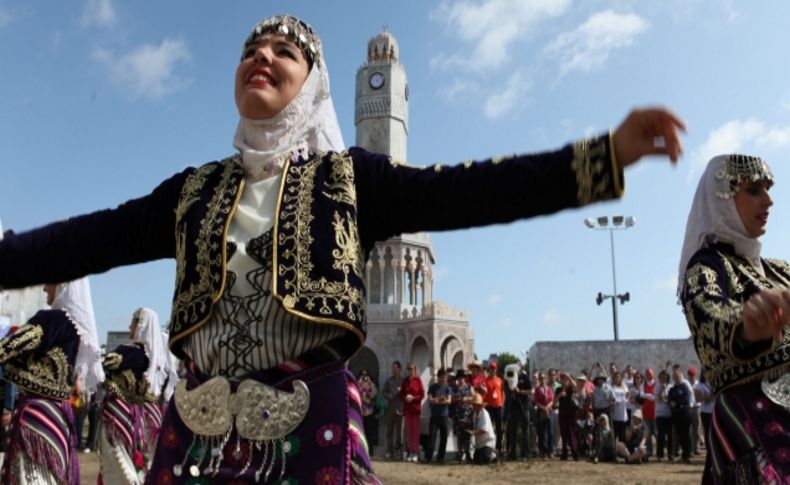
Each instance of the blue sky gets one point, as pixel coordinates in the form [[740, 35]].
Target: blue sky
[[101, 100]]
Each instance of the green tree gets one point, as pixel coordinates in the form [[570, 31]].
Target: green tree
[[504, 359]]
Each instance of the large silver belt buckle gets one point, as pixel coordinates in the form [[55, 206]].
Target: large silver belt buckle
[[262, 412], [778, 391]]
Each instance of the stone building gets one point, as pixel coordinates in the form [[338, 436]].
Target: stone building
[[641, 354], [404, 321]]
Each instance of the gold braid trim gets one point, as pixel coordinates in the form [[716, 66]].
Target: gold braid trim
[[597, 173]]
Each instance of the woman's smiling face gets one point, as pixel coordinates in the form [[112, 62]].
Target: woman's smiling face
[[752, 202], [270, 75]]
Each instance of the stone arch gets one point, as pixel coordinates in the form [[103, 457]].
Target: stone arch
[[420, 353], [451, 352], [365, 359]]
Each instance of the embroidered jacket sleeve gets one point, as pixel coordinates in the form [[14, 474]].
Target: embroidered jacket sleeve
[[124, 369], [396, 198], [26, 339], [139, 230], [713, 303]]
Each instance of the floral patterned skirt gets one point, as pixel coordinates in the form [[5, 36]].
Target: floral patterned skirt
[[327, 448], [750, 439]]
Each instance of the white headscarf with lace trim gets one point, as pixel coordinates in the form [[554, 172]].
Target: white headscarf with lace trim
[[308, 122], [713, 216], [149, 334], [74, 298]]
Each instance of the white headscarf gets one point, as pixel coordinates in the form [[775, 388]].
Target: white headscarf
[[713, 216], [308, 122], [149, 334], [171, 370], [74, 298]]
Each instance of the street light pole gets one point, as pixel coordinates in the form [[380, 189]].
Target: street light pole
[[614, 288], [618, 223]]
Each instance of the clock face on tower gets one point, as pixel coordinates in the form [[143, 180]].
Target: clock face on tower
[[376, 80]]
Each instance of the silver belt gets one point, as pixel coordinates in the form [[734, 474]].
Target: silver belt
[[264, 415], [262, 412], [778, 390]]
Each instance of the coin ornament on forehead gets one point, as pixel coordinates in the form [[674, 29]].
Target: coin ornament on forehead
[[742, 168], [297, 31]]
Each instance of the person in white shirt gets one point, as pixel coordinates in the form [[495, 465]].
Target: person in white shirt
[[695, 411], [704, 395], [483, 432]]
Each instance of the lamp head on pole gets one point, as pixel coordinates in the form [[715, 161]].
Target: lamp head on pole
[[589, 222], [630, 221], [603, 221]]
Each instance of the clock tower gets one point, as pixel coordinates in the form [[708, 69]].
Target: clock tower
[[381, 112]]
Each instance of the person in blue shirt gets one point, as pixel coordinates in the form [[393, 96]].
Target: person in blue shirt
[[439, 398]]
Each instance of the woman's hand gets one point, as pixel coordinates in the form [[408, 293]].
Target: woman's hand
[[765, 315], [651, 131]]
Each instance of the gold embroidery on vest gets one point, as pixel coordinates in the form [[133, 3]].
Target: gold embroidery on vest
[[296, 265], [210, 242], [341, 180]]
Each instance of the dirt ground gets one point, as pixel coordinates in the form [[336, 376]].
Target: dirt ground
[[549, 472]]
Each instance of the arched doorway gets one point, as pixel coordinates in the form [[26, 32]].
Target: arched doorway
[[452, 353], [365, 359]]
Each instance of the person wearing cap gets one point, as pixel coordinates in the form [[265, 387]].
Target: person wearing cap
[[603, 395], [495, 401], [693, 381], [477, 379], [646, 393], [633, 449], [483, 432]]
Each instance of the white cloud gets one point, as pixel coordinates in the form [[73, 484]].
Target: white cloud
[[439, 273], [495, 299], [459, 89], [507, 322], [5, 17], [490, 28], [148, 70], [738, 136], [666, 284], [589, 45], [98, 13], [552, 317], [509, 98]]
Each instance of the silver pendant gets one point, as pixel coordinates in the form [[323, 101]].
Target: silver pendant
[[778, 391]]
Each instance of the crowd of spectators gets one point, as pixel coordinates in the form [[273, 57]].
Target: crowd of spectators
[[494, 414]]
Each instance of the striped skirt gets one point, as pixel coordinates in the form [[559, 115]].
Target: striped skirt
[[328, 447], [750, 439], [127, 439], [42, 446]]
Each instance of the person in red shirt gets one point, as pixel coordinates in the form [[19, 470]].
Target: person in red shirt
[[412, 393], [544, 399], [495, 401], [646, 393], [478, 379]]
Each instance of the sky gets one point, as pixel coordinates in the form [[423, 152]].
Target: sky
[[102, 100]]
